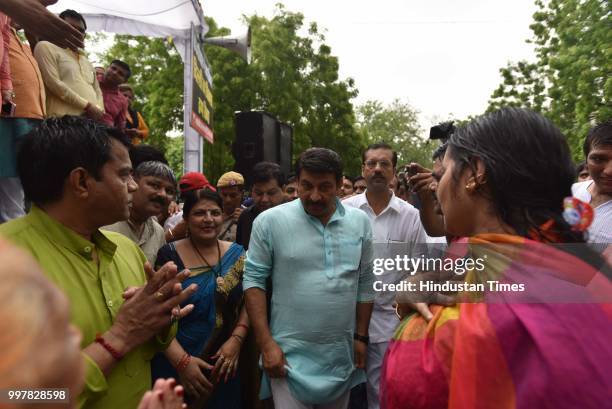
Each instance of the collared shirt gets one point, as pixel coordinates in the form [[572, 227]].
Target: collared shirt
[[115, 105], [319, 274], [27, 80], [151, 239], [397, 230], [245, 224], [70, 80], [600, 231], [95, 294]]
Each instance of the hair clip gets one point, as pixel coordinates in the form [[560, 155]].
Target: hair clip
[[578, 214]]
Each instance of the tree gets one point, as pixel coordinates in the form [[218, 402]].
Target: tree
[[396, 124], [174, 154], [570, 81], [293, 76]]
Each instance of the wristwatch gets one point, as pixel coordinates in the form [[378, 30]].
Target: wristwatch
[[363, 338]]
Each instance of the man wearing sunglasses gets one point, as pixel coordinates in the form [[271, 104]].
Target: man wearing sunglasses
[[70, 81]]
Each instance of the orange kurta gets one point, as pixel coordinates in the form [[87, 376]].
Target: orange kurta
[[28, 84]]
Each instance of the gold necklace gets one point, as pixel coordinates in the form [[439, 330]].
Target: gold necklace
[[220, 280]]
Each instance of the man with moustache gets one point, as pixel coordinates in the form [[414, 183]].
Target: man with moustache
[[77, 173], [396, 230], [314, 349], [267, 192], [156, 188], [229, 187]]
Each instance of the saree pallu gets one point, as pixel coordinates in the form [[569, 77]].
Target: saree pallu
[[510, 351], [216, 308]]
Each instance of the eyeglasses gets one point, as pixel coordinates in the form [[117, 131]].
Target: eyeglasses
[[384, 164]]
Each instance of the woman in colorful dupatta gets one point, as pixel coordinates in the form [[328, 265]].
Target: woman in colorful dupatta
[[501, 188], [216, 328]]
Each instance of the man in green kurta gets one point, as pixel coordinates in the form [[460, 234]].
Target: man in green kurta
[[78, 175]]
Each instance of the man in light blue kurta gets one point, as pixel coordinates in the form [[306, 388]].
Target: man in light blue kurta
[[319, 257]]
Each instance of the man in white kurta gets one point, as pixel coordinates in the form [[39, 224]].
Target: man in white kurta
[[397, 230]]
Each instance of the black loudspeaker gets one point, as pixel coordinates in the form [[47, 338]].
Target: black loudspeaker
[[260, 137], [285, 147]]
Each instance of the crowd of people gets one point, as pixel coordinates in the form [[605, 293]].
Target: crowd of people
[[131, 288], [44, 78]]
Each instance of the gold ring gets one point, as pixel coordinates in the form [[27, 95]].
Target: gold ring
[[159, 296]]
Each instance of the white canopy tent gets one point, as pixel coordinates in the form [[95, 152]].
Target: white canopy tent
[[153, 18]]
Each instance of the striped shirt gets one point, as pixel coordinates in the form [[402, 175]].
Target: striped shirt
[[600, 231]]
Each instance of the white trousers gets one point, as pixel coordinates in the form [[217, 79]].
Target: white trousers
[[283, 399], [376, 354]]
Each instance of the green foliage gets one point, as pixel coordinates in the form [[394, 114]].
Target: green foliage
[[174, 154], [396, 124], [293, 76], [571, 80]]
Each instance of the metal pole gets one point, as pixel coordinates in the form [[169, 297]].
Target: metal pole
[[193, 146]]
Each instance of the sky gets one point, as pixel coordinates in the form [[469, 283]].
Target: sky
[[441, 56]]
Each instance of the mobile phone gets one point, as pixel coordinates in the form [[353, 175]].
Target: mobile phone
[[8, 108], [411, 170]]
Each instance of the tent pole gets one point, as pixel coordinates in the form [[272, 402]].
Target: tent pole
[[193, 146]]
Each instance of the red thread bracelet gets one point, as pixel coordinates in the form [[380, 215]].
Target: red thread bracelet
[[184, 361], [242, 325], [116, 354]]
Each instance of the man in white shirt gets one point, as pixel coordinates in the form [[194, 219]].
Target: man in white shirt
[[396, 229], [598, 191]]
